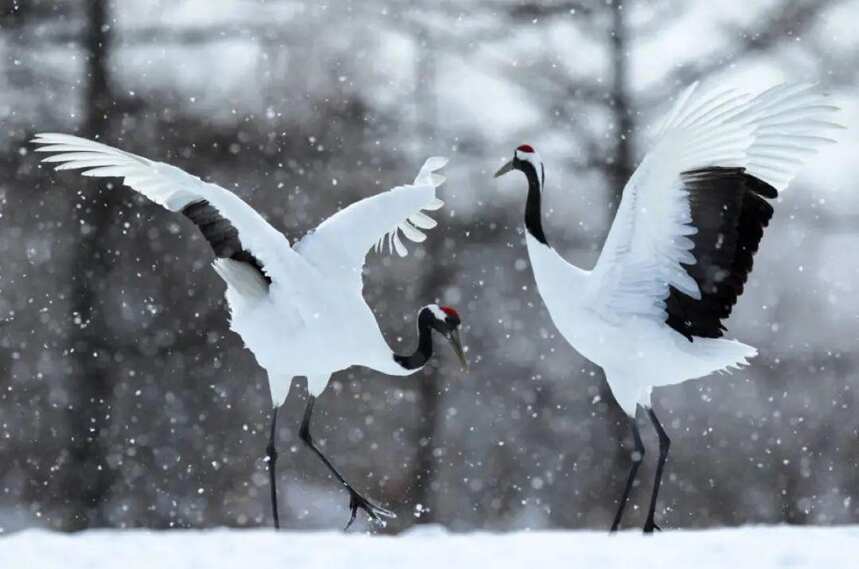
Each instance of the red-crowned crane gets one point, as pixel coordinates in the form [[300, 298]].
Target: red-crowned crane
[[681, 246], [300, 308]]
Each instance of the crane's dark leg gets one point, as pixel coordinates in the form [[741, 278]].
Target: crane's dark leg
[[664, 445], [637, 457], [271, 452], [356, 500]]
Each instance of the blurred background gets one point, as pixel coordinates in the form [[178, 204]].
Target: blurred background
[[125, 401]]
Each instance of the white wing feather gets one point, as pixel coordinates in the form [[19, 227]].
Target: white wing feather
[[167, 186], [342, 241], [770, 135]]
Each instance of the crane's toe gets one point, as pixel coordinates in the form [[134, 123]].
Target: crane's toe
[[377, 514]]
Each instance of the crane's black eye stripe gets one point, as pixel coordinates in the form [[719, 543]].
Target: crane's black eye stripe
[[221, 235]]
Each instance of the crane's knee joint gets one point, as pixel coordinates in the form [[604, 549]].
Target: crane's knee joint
[[304, 434], [664, 445]]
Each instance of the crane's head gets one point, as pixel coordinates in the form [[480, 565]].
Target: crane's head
[[527, 161], [445, 320]]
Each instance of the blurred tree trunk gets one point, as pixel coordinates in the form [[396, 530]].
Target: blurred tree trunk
[[622, 164], [88, 478]]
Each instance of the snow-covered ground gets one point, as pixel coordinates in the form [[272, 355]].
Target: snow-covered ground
[[741, 548]]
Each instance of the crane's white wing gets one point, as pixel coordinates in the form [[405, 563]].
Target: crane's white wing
[[340, 244], [246, 245], [693, 213]]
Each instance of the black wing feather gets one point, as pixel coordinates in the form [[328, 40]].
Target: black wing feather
[[221, 235], [730, 211]]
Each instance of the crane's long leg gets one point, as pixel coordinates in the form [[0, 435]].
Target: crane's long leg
[[356, 500], [637, 458], [664, 445], [271, 452]]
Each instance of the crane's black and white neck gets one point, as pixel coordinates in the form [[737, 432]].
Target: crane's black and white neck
[[445, 321], [528, 161]]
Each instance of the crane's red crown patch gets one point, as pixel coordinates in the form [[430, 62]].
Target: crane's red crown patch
[[526, 148], [450, 311]]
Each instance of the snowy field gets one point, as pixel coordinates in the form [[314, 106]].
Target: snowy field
[[750, 547]]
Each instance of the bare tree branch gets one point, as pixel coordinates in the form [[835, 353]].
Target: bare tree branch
[[783, 22]]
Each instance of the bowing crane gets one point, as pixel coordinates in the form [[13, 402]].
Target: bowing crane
[[299, 309]]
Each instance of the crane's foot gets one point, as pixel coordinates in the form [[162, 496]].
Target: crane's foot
[[650, 525], [377, 514]]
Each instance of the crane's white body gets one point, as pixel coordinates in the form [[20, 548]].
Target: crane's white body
[[311, 320], [614, 315], [637, 353], [331, 330]]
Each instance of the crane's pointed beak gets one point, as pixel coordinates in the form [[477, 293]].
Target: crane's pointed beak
[[456, 344], [504, 169]]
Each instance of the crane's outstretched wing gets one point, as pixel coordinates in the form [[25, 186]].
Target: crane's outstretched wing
[[340, 244], [693, 213], [243, 242]]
